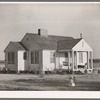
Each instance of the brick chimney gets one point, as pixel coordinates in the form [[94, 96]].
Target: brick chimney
[[43, 32]]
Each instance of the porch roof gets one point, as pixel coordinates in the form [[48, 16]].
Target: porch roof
[[67, 44]]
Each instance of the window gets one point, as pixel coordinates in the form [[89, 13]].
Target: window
[[32, 58], [11, 57], [25, 56], [65, 63], [80, 57], [52, 57], [35, 57], [66, 55]]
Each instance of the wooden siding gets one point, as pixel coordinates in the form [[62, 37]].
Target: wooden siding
[[11, 66], [31, 45], [82, 46], [47, 66]]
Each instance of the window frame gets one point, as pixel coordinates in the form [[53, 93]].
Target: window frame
[[11, 57], [65, 63], [80, 57], [34, 57], [66, 55]]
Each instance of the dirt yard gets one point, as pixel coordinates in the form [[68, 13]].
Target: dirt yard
[[31, 82]]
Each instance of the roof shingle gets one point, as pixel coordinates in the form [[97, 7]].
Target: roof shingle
[[67, 44], [18, 45], [49, 42]]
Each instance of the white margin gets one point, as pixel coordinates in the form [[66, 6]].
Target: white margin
[[50, 94]]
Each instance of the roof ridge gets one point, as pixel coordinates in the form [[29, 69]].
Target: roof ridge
[[15, 41], [70, 39], [49, 35], [32, 33], [78, 38], [60, 36]]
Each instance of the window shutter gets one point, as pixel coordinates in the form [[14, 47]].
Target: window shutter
[[25, 56]]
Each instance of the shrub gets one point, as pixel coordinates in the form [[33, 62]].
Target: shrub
[[11, 72], [4, 70], [69, 71], [48, 72], [98, 71], [79, 72], [24, 72], [29, 72]]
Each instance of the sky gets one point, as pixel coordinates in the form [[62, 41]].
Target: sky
[[67, 19]]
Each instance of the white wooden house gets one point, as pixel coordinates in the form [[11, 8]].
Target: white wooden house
[[42, 52]]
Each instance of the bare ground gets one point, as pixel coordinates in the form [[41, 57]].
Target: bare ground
[[31, 82]]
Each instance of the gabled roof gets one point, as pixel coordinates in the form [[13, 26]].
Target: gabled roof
[[18, 45], [49, 42], [67, 44]]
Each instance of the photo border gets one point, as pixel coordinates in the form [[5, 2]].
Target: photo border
[[72, 98]]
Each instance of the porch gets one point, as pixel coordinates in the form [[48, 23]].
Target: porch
[[75, 60]]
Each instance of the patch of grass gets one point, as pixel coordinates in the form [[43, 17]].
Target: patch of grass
[[49, 83]]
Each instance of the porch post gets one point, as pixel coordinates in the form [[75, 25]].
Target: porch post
[[55, 59], [73, 60], [68, 59], [88, 60], [76, 60], [91, 59]]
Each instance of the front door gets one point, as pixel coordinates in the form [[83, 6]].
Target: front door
[[21, 61], [64, 60]]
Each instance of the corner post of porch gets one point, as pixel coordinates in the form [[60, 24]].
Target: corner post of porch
[[76, 59], [88, 60], [73, 61], [91, 59], [68, 59]]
